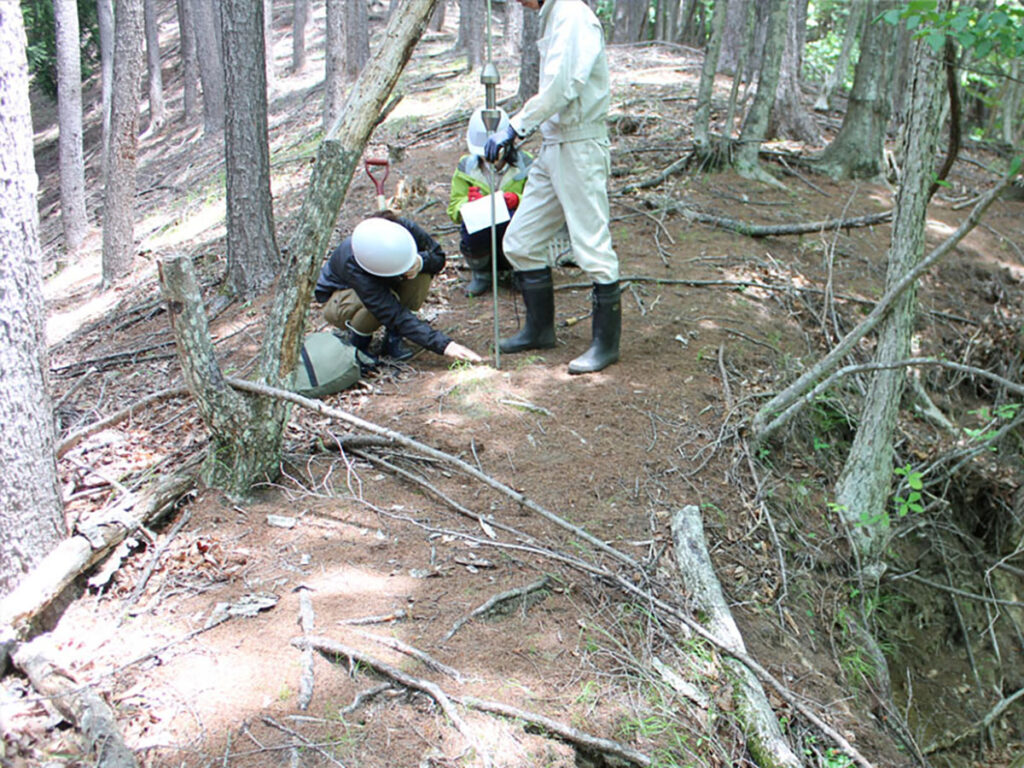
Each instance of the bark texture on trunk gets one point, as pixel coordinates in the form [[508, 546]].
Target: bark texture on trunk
[[862, 491], [755, 126], [252, 254], [300, 19], [73, 216], [765, 741], [209, 54], [157, 112], [189, 64], [120, 180], [790, 119], [31, 514], [858, 149], [705, 91]]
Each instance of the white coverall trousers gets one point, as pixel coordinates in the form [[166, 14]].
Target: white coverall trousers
[[567, 186]]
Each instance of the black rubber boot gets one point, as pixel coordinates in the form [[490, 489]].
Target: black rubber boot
[[361, 341], [479, 284], [607, 329], [538, 332], [394, 349]]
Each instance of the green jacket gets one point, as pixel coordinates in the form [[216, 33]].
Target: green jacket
[[470, 173]]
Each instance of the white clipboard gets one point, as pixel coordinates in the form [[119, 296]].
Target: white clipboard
[[477, 214]]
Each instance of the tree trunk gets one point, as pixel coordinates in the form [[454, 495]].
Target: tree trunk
[[206, 24], [437, 20], [357, 36], [755, 125], [334, 62], [252, 254], [789, 118], [630, 25], [268, 46], [736, 35], [119, 184], [529, 62], [31, 514], [472, 22], [512, 31], [858, 149], [835, 78], [300, 19], [246, 430], [105, 23], [189, 65], [665, 20], [73, 215], [705, 91], [157, 112], [862, 491], [765, 741]]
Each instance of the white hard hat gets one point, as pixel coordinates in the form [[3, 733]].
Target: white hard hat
[[383, 248], [477, 134]]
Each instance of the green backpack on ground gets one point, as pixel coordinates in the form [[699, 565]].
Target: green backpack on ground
[[327, 364]]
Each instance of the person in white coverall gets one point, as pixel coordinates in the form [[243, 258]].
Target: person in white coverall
[[568, 182]]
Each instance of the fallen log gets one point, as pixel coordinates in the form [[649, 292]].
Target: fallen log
[[765, 740], [82, 706], [20, 609]]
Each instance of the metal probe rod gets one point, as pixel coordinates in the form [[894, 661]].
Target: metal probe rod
[[491, 117]]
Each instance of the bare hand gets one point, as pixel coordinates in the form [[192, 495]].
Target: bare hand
[[459, 352], [416, 268]]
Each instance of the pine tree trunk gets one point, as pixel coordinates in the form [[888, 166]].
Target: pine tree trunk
[[735, 36], [209, 53], [73, 215], [357, 37], [705, 91], [252, 254], [334, 61], [862, 491], [157, 112], [189, 64], [268, 46], [119, 183], [31, 514], [857, 151], [105, 25], [529, 62]]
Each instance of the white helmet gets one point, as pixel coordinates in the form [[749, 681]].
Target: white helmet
[[477, 134], [383, 248]]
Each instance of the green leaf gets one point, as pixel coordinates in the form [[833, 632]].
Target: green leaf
[[913, 21], [1015, 165], [893, 16], [936, 40]]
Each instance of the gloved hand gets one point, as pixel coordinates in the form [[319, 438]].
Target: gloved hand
[[500, 143], [511, 200], [474, 194]]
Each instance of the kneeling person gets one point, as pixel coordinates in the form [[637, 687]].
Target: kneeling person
[[381, 275]]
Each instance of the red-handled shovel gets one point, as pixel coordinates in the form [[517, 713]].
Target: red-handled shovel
[[378, 180]]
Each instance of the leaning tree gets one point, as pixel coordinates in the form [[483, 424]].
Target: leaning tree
[[247, 429]]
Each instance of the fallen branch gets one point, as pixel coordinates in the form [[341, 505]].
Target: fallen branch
[[986, 722], [761, 427], [306, 622], [497, 600], [302, 740], [594, 744], [79, 435], [774, 230], [83, 707], [765, 741], [422, 656]]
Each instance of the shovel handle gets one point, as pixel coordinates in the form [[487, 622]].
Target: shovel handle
[[378, 181]]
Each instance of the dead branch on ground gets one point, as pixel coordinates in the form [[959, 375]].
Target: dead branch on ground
[[496, 600]]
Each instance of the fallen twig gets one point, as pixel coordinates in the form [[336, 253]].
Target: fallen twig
[[306, 622], [79, 435], [994, 714], [302, 739], [501, 597], [422, 656]]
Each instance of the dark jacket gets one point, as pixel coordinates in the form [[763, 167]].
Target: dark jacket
[[342, 271]]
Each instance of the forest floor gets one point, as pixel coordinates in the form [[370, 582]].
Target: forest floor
[[200, 666]]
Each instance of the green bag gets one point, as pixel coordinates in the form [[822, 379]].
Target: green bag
[[327, 365]]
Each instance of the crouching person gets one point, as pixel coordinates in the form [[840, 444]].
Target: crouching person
[[381, 275]]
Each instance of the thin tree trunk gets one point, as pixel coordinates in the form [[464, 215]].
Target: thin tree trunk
[[73, 215], [300, 19], [789, 118], [189, 65], [863, 488], [437, 21], [209, 52], [854, 25], [357, 37], [105, 23], [252, 254], [736, 35], [157, 111], [268, 46], [334, 62], [529, 62], [31, 514], [705, 91], [119, 186], [755, 126]]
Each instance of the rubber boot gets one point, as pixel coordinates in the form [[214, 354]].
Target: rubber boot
[[607, 329], [361, 341], [479, 284], [538, 332], [394, 349]]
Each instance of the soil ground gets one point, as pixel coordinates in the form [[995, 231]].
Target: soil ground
[[376, 533]]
